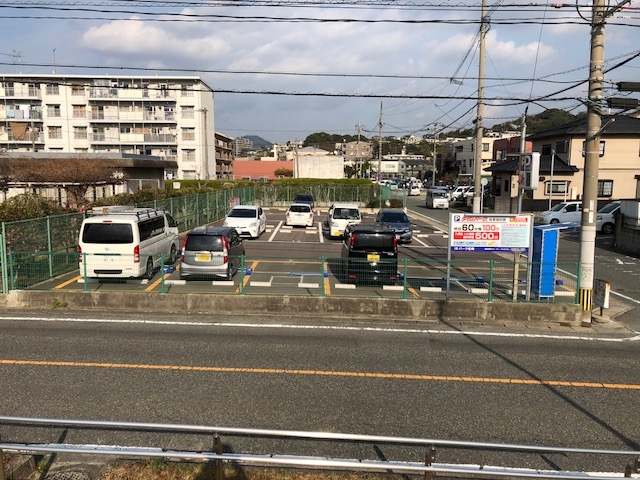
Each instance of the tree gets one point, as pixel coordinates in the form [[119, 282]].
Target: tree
[[283, 172], [74, 175]]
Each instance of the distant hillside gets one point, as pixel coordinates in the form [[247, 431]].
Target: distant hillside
[[258, 142]]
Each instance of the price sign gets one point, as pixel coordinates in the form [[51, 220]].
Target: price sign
[[490, 233]]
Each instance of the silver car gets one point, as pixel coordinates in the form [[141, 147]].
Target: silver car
[[211, 252], [398, 221]]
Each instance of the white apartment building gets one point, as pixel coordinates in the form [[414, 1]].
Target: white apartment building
[[169, 117]]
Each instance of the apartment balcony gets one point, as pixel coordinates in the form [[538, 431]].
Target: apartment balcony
[[130, 94], [104, 138], [160, 117], [16, 114], [21, 92], [160, 138], [27, 137]]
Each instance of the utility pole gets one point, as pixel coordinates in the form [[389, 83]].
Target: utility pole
[[523, 147], [358, 157], [591, 157], [477, 165], [379, 173], [206, 145]]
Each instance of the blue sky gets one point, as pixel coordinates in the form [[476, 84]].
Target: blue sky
[[434, 56]]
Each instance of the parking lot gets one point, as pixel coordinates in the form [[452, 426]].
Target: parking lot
[[292, 260]]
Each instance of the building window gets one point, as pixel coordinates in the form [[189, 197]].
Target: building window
[[188, 112], [559, 187], [600, 152], [485, 147], [562, 147], [80, 133], [81, 150], [53, 110], [55, 132], [77, 90], [186, 91], [125, 130], [605, 188], [188, 155], [546, 149], [79, 111], [188, 134], [53, 89]]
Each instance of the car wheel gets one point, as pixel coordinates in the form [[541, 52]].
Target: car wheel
[[172, 256], [149, 270], [554, 221], [607, 228]]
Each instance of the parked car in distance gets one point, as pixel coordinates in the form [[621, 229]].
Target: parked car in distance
[[247, 220], [305, 198], [299, 215], [457, 194], [398, 221], [606, 217], [341, 215], [370, 254], [211, 252], [414, 190], [563, 212]]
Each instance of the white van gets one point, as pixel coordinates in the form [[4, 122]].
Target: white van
[[126, 242], [341, 215], [437, 198]]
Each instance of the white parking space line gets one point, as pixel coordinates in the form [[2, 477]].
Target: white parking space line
[[275, 231]]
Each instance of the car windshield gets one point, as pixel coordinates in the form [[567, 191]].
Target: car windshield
[[439, 194], [300, 208], [212, 243], [609, 207], [395, 217], [558, 207], [243, 213], [112, 233], [346, 214]]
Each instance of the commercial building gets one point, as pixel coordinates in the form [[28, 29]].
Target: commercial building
[[167, 117]]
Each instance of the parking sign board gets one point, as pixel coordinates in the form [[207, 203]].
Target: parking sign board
[[490, 233]]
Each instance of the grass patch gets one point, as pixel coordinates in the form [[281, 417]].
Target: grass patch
[[157, 469]]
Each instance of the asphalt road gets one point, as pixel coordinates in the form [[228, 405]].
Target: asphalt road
[[394, 379]]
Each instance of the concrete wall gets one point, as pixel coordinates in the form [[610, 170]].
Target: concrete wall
[[298, 306]]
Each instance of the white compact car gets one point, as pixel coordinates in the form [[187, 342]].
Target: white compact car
[[563, 212], [299, 215], [247, 220]]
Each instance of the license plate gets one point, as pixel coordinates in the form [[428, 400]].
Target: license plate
[[371, 257], [203, 257]]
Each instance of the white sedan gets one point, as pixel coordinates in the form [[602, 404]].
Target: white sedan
[[414, 190], [299, 215], [247, 220]]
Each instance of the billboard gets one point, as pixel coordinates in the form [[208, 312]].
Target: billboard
[[490, 233]]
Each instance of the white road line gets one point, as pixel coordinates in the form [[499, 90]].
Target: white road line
[[275, 231], [634, 338]]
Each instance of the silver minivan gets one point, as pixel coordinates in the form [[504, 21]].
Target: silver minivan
[[211, 252]]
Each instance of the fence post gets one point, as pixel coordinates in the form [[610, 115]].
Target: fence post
[[404, 278], [163, 265], [490, 281], [3, 260], [85, 284], [428, 461], [49, 247], [219, 466], [323, 270]]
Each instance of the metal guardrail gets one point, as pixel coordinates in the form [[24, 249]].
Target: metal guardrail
[[429, 469]]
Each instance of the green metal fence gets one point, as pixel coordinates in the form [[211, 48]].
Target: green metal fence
[[415, 278]]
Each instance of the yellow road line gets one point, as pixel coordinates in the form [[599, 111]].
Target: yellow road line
[[64, 284], [325, 373], [157, 282]]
